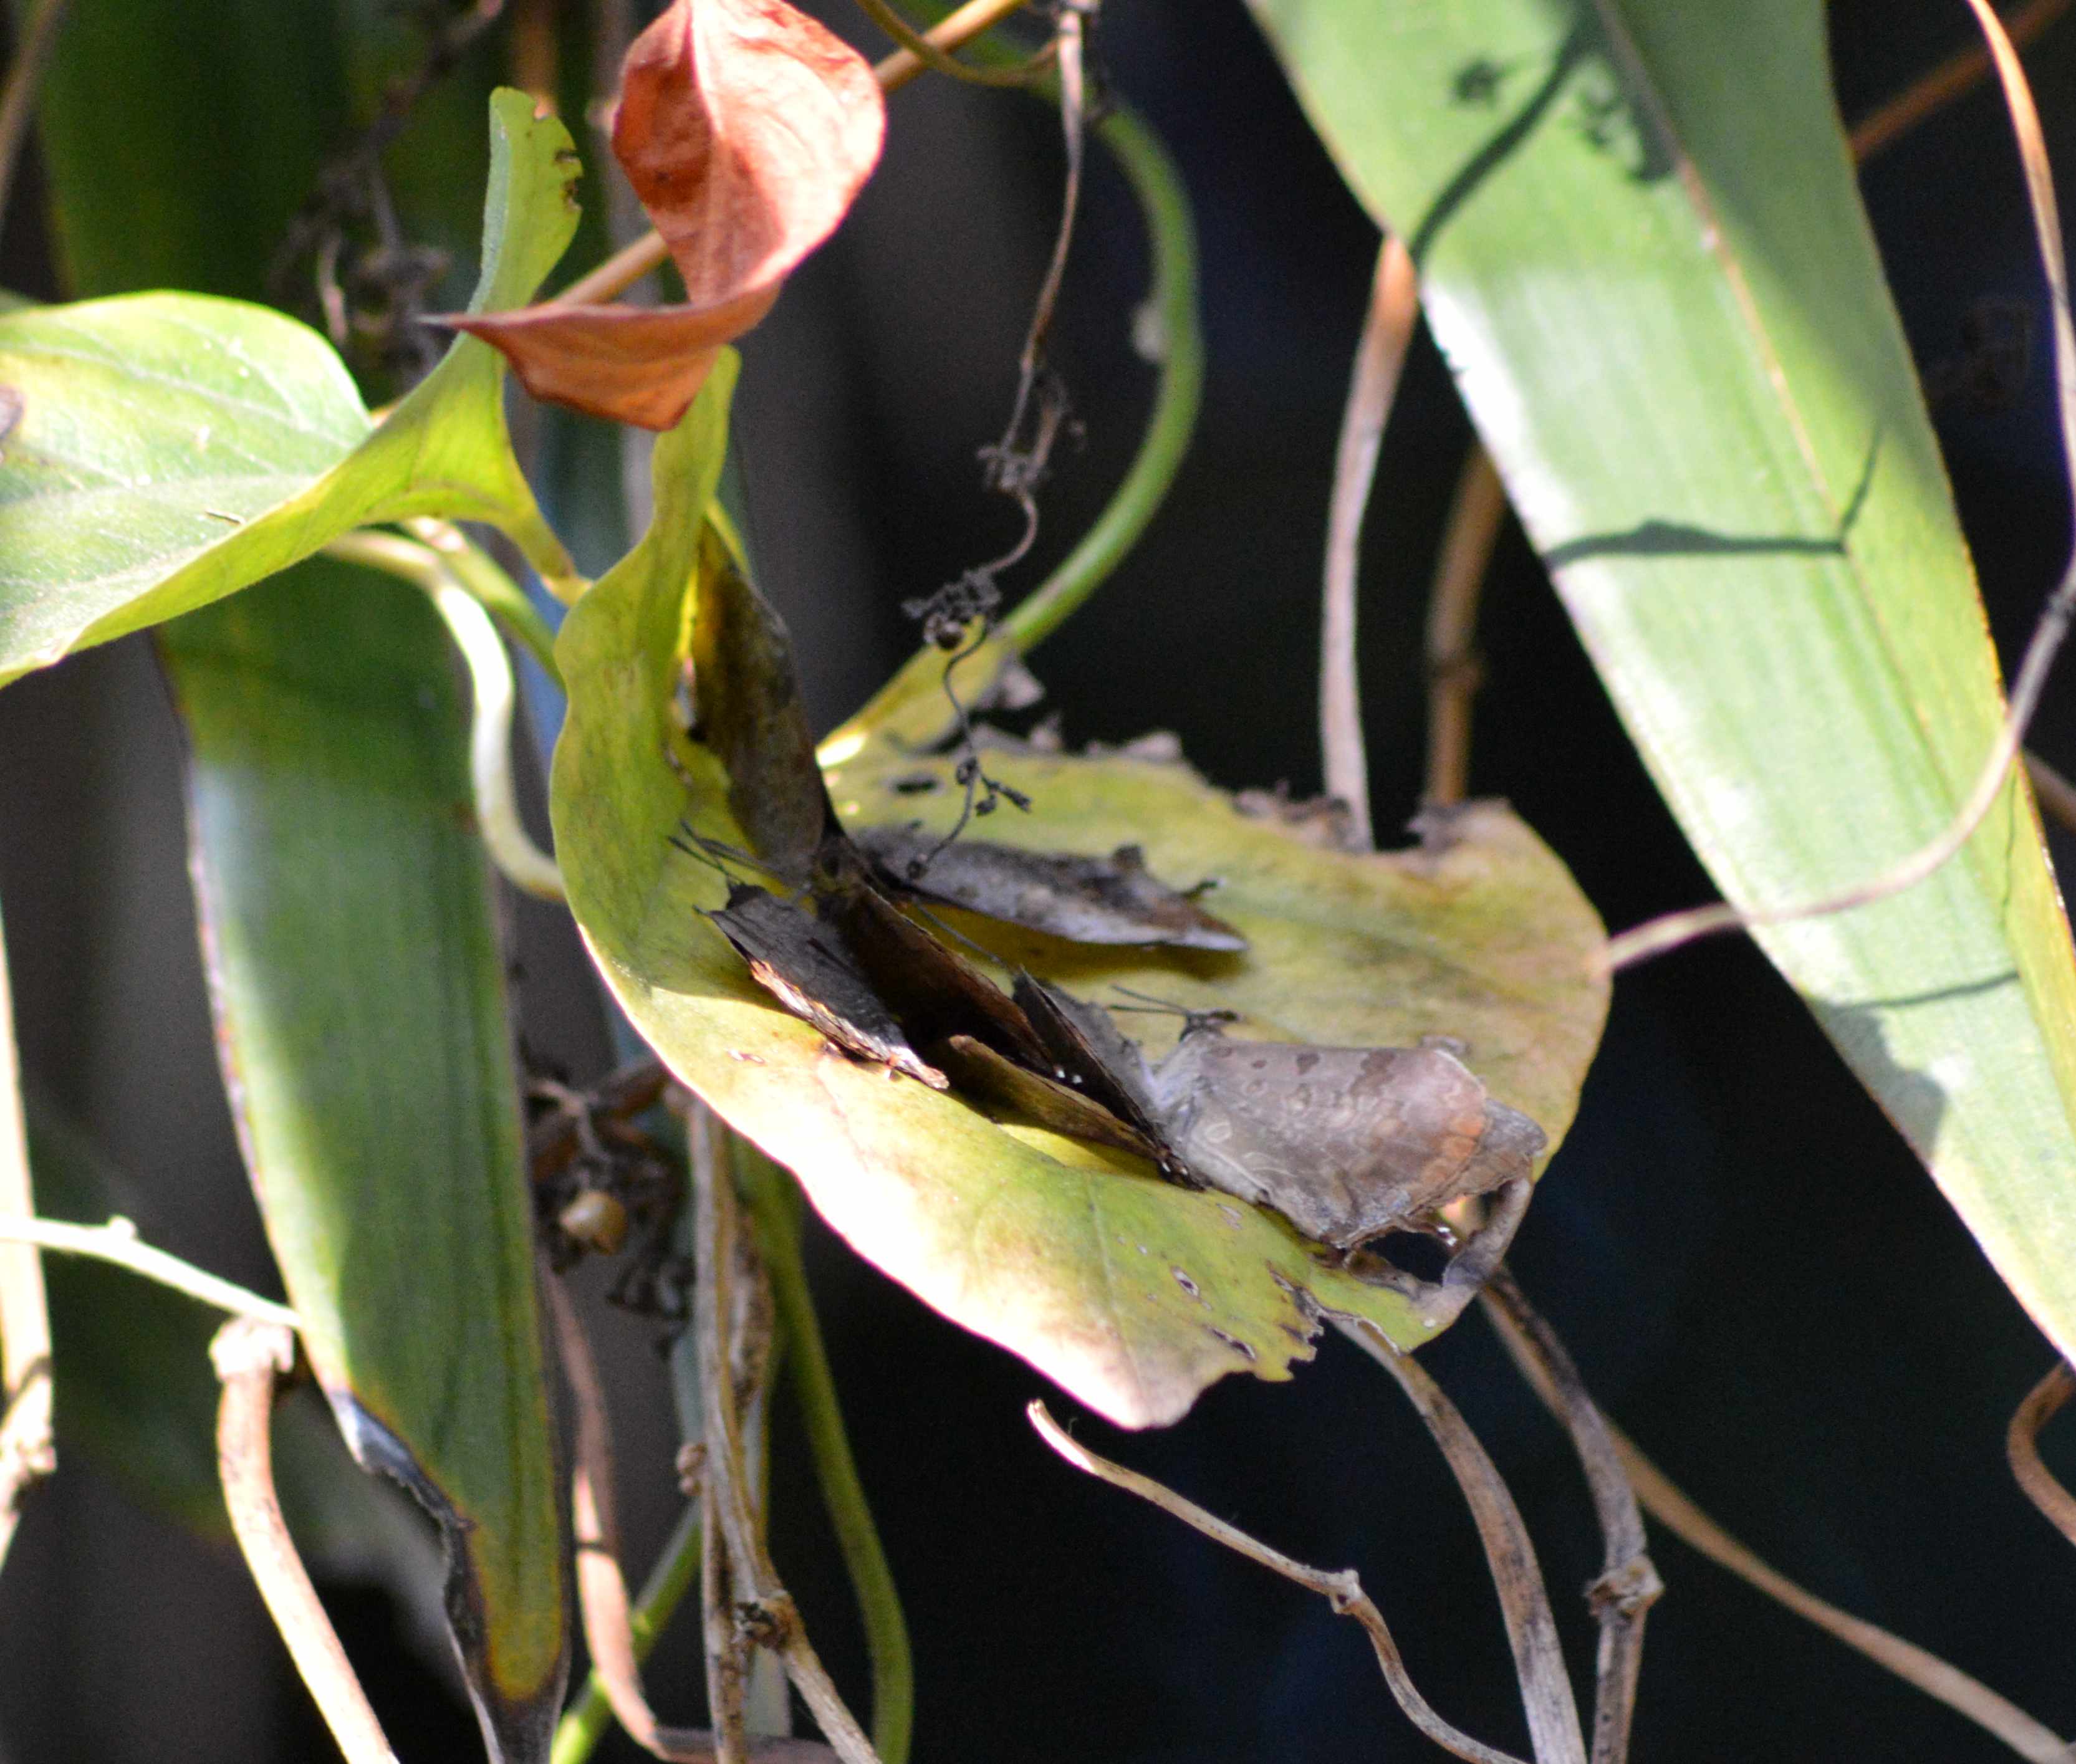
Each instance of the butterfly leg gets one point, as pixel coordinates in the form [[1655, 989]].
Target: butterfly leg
[[1440, 1301]]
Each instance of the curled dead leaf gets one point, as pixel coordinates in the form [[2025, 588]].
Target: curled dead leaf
[[747, 130]]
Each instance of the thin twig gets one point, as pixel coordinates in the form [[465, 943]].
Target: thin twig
[[753, 1593], [1017, 463], [1658, 936], [958, 617], [248, 1355], [617, 1637], [918, 44], [1531, 1628], [1168, 329], [2056, 795], [1340, 1589], [1666, 1503], [727, 1642], [35, 42], [1394, 308], [118, 1242], [535, 51], [754, 1347], [584, 1722], [1454, 673], [28, 1445], [627, 265], [362, 156], [1954, 77], [843, 1493], [1629, 1584], [601, 1587], [621, 1095], [2022, 1442]]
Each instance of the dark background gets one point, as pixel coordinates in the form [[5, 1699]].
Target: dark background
[[1757, 1278]]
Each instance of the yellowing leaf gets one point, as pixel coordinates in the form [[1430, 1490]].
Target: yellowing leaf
[[1130, 1292]]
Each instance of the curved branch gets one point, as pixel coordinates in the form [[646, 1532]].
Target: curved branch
[[1342, 1590], [248, 1355], [920, 46], [2022, 1441]]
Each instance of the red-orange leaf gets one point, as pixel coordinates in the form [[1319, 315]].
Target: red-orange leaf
[[746, 129], [642, 365]]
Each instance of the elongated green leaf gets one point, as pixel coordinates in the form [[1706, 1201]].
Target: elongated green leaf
[[358, 987], [175, 448], [1132, 1292], [1645, 256], [199, 131]]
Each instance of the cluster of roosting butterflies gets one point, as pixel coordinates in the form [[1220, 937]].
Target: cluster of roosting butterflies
[[1348, 1144]]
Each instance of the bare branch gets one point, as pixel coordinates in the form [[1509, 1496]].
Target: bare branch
[[757, 1599], [2056, 795], [1394, 308], [118, 1242], [2022, 1441], [248, 1355], [1454, 675], [1531, 1628], [1925, 1672], [602, 1594], [919, 45], [36, 39], [1953, 78], [601, 1586], [28, 1446], [1341, 1589], [1629, 1584]]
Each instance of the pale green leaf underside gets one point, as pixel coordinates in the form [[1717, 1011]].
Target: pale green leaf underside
[[1653, 278]]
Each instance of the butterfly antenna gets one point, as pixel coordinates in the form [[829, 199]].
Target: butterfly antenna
[[1191, 1020], [958, 936]]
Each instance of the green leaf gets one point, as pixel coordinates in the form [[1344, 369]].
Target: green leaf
[[1648, 262], [1132, 1292], [358, 985], [175, 448]]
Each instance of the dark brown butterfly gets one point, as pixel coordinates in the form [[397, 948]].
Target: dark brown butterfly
[[1113, 900], [1350, 1144], [1347, 1143]]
